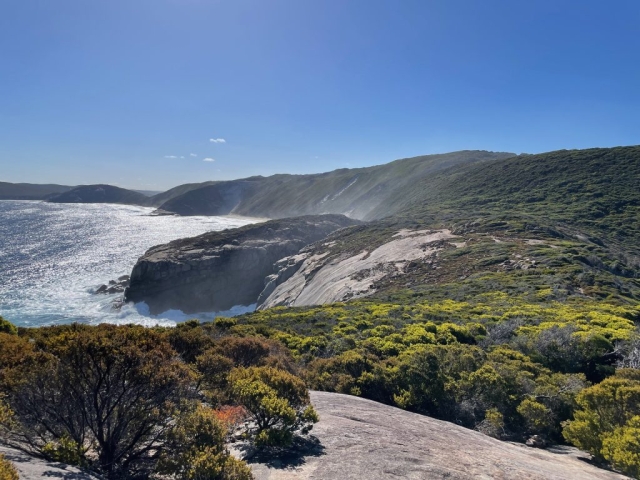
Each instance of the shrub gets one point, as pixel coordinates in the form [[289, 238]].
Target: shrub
[[196, 449], [277, 401], [493, 424], [7, 470], [110, 389], [244, 352], [604, 409], [622, 447], [537, 416], [7, 327]]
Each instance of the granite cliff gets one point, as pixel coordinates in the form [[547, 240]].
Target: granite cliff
[[219, 270]]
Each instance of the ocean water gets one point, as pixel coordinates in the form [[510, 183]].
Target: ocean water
[[54, 256]]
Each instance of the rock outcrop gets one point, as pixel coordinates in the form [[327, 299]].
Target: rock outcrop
[[219, 270], [114, 286], [359, 439], [315, 276]]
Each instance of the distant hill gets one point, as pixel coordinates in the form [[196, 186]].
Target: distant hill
[[149, 193], [163, 197], [361, 193], [101, 194], [29, 191], [112, 194]]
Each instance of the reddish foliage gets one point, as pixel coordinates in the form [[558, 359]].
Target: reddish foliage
[[231, 416]]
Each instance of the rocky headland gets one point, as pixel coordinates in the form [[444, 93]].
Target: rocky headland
[[219, 270]]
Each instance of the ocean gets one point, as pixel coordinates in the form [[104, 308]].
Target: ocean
[[54, 256]]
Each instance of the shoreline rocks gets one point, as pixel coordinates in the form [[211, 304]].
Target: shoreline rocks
[[114, 286]]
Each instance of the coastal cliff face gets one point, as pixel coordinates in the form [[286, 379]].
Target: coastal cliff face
[[219, 270]]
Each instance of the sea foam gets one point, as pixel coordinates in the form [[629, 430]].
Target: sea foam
[[53, 256]]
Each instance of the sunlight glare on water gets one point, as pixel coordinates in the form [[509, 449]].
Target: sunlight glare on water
[[53, 256]]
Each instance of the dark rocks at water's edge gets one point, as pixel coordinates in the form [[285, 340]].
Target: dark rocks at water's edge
[[114, 286], [219, 270]]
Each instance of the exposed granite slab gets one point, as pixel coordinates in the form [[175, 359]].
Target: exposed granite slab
[[364, 440], [32, 468]]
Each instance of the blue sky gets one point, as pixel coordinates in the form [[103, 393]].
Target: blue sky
[[109, 91]]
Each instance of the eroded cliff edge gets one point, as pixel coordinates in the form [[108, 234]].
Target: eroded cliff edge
[[218, 270]]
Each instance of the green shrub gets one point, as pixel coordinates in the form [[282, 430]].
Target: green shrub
[[7, 327], [622, 447], [277, 401], [7, 470], [196, 450], [605, 410]]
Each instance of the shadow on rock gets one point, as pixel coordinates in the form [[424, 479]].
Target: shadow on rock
[[65, 475], [292, 457]]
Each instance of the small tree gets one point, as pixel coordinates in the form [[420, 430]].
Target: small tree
[[196, 450], [277, 401], [109, 391]]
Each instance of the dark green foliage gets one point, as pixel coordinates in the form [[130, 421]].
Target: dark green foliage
[[122, 402], [7, 327], [277, 401]]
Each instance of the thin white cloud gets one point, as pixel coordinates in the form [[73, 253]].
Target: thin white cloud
[[217, 140], [170, 156], [193, 155], [208, 159], [182, 156]]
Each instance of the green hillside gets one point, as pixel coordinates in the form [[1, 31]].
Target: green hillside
[[530, 325], [593, 190], [361, 193], [163, 197]]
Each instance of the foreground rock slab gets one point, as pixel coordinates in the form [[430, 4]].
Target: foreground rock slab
[[361, 439], [31, 468]]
